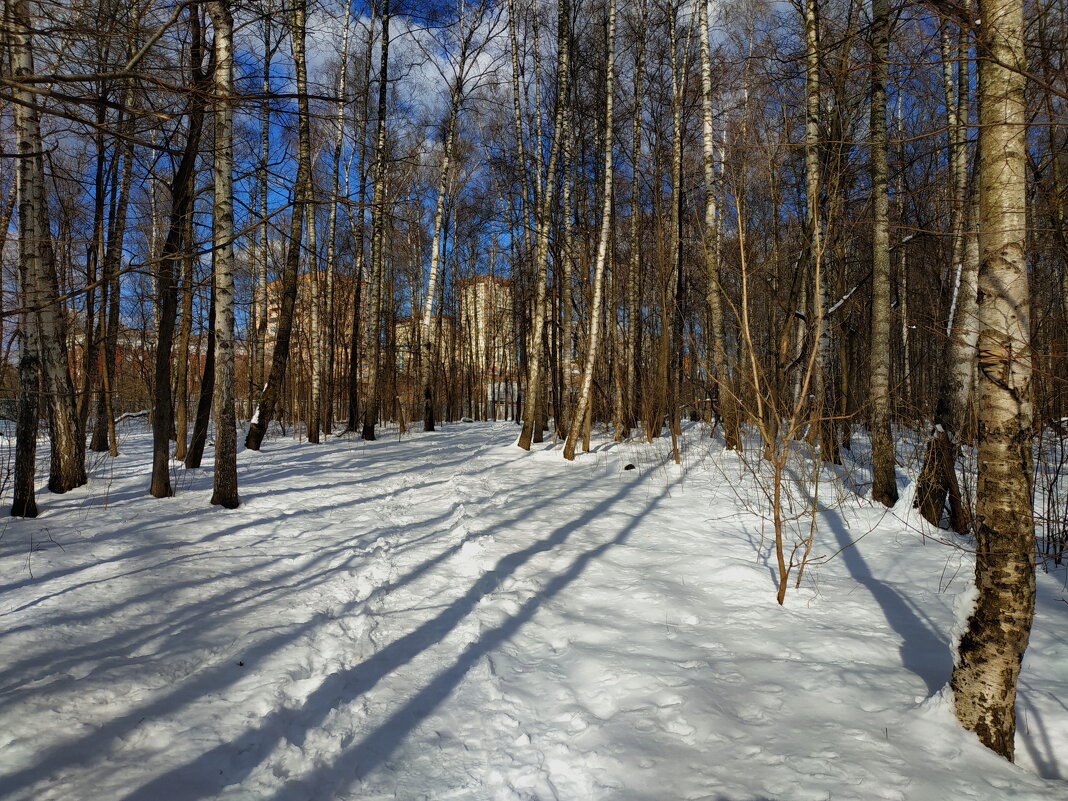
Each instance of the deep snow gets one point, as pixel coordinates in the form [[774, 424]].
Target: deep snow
[[445, 616]]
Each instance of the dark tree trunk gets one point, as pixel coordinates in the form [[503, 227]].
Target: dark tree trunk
[[182, 195], [265, 411], [195, 453]]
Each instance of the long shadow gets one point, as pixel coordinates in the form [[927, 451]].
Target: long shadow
[[125, 641], [277, 470], [1037, 742], [229, 602], [378, 745], [200, 778], [299, 469], [221, 608], [218, 534], [161, 522], [183, 516], [923, 650], [221, 676]]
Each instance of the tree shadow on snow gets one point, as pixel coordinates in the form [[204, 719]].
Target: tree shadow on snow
[[201, 778], [923, 650], [185, 516], [217, 613], [270, 518], [1033, 732]]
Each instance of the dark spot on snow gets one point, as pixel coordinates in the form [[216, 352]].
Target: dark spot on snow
[[628, 467], [240, 664]]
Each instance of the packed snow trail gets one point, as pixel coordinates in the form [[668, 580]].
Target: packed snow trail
[[446, 616]]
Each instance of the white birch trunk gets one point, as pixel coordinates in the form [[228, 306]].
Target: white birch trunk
[[711, 242], [821, 407], [47, 324], [225, 479], [992, 647], [937, 479], [427, 342], [884, 476]]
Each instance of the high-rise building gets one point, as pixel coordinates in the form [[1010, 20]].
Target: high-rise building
[[487, 334]]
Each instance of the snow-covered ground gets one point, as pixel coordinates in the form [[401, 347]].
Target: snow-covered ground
[[445, 616]]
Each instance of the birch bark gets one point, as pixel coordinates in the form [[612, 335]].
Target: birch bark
[[992, 647], [724, 392], [225, 480], [45, 323], [884, 477]]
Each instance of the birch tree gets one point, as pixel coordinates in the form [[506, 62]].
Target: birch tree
[[45, 335], [225, 479], [938, 479], [28, 142], [634, 266], [884, 477], [469, 27], [358, 227], [822, 408], [992, 647], [724, 392], [671, 335], [378, 235]]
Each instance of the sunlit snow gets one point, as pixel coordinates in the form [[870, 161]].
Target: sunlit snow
[[445, 616]]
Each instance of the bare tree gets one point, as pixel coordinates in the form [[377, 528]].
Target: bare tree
[[593, 347], [938, 479], [225, 478], [378, 235], [992, 647], [822, 408], [45, 325], [24, 502], [634, 266], [272, 389], [469, 27], [357, 225], [535, 345], [182, 196], [724, 391], [331, 226], [884, 477]]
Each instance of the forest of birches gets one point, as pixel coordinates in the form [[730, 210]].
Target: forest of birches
[[837, 226]]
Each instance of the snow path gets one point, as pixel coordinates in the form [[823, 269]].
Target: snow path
[[446, 616]]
